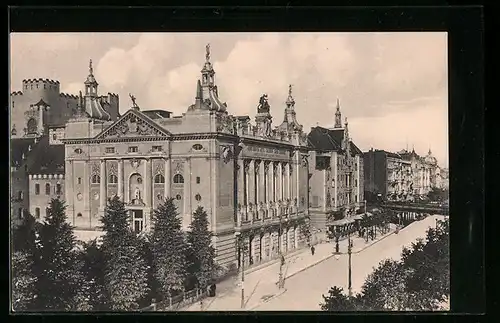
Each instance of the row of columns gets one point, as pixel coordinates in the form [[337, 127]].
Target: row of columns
[[265, 181]]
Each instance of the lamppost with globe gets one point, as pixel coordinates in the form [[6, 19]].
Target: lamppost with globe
[[241, 251], [349, 253]]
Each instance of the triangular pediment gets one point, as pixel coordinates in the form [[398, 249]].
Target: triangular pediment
[[133, 124]]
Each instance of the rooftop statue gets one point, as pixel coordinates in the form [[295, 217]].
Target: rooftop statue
[[263, 106]]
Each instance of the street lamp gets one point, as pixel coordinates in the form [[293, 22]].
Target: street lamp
[[282, 263], [349, 252], [242, 268]]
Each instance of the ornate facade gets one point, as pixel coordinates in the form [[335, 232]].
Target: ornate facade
[[402, 176], [250, 179], [336, 172]]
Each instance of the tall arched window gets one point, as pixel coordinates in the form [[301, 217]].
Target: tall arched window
[[47, 189], [58, 189], [20, 213], [96, 179], [113, 179], [37, 213], [159, 179], [37, 189], [178, 179], [31, 126]]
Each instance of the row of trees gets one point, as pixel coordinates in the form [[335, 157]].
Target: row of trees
[[51, 271], [419, 281]]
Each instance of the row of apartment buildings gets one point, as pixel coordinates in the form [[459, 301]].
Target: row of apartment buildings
[[402, 176], [259, 183]]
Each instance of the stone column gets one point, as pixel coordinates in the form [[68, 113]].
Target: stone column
[[297, 176], [251, 186], [279, 182], [262, 174], [240, 182], [288, 186], [168, 178], [270, 182], [103, 188], [120, 180], [257, 181]]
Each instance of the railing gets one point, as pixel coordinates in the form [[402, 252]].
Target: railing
[[264, 212], [418, 207]]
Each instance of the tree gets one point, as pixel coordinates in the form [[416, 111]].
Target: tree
[[201, 252], [23, 281], [419, 281], [336, 300], [125, 270], [384, 288], [428, 265], [57, 271], [90, 294], [23, 253], [169, 250]]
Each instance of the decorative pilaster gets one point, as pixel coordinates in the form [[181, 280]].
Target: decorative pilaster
[[147, 183], [120, 193], [168, 178], [69, 188], [287, 182], [103, 190], [241, 189], [187, 190]]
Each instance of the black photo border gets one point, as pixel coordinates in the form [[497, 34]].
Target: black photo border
[[465, 28]]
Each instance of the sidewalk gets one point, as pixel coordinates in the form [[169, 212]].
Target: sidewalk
[[261, 285]]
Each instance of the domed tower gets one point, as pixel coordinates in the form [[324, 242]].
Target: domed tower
[[207, 94], [290, 125], [92, 102]]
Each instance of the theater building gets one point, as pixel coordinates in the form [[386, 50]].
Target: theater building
[[251, 178]]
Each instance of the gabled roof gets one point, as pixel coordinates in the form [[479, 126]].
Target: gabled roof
[[120, 128], [47, 159], [329, 139]]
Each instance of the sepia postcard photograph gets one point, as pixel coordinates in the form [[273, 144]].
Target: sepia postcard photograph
[[242, 171]]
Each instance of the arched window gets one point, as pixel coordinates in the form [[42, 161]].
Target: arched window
[[113, 179], [37, 189], [79, 180], [54, 136], [178, 179], [31, 126], [58, 189], [13, 132], [79, 215], [159, 179], [37, 213], [20, 195], [20, 213], [96, 179], [47, 189]]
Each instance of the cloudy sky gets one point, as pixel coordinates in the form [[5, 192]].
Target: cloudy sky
[[392, 87]]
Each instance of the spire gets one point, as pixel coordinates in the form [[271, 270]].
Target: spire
[[338, 116], [199, 93], [207, 73], [91, 84], [207, 54], [290, 102]]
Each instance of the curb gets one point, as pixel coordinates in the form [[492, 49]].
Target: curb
[[267, 300], [331, 255]]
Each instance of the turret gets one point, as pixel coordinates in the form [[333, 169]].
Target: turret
[[338, 116]]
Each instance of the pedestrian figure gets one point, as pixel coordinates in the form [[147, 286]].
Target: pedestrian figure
[[282, 260], [312, 250]]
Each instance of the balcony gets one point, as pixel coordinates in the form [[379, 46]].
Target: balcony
[[267, 213]]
